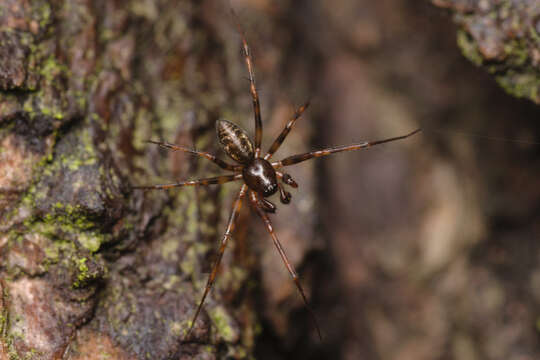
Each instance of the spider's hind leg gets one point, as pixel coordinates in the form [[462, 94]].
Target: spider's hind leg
[[228, 234], [266, 205], [221, 163], [266, 220], [202, 182]]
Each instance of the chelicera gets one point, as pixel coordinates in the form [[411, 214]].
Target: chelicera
[[261, 178]]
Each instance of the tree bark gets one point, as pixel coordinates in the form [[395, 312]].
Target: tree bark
[[90, 267], [504, 38], [423, 249]]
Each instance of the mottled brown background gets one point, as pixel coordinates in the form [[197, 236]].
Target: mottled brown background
[[422, 249]]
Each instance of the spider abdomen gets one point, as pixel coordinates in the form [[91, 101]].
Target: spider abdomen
[[235, 141], [260, 177]]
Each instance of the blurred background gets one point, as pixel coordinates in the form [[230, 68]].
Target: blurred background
[[425, 248], [421, 249]]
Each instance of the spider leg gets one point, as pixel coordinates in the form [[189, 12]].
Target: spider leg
[[265, 204], [295, 159], [208, 181], [222, 164], [254, 95], [268, 206], [279, 140], [228, 233], [288, 265]]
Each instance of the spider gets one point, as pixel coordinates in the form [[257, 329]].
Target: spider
[[261, 178]]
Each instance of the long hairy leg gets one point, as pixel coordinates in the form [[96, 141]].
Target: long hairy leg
[[222, 164], [228, 233], [295, 159], [208, 181], [288, 265], [252, 88], [281, 138]]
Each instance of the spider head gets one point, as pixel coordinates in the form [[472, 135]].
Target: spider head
[[235, 141], [261, 177]]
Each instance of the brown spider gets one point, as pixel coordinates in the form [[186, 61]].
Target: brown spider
[[260, 177]]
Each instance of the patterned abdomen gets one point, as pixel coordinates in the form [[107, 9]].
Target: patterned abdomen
[[235, 141]]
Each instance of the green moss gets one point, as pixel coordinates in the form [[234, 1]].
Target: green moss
[[7, 338], [52, 253], [83, 272], [84, 154], [188, 263], [469, 48], [513, 73], [169, 247], [58, 226], [222, 321], [192, 256], [516, 52], [43, 12], [64, 219], [520, 85], [42, 103], [28, 107], [75, 163], [535, 35], [84, 275], [92, 241], [4, 319], [69, 218], [233, 278], [83, 268], [173, 282], [51, 68], [105, 355]]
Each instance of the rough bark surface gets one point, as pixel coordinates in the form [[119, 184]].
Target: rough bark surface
[[425, 249], [503, 36], [89, 268]]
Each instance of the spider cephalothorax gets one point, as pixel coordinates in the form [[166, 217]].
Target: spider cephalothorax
[[261, 178]]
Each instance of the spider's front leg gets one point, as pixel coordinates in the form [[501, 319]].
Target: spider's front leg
[[252, 87], [281, 138], [295, 159]]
